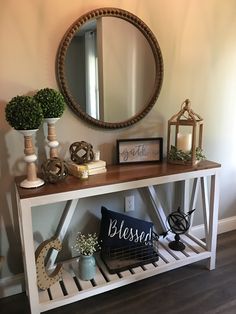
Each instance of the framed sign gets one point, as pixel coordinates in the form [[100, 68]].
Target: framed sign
[[139, 150]]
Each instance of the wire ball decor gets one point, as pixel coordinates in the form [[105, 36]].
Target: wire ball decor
[[54, 170], [81, 152]]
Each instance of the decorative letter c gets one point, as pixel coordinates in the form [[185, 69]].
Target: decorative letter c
[[45, 280]]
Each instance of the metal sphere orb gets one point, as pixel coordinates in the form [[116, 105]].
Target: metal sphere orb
[[178, 222], [54, 170], [81, 152]]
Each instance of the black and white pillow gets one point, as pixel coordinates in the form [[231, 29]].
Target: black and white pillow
[[119, 230]]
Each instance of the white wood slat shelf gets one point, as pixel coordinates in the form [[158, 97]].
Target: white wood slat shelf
[[118, 178], [72, 289]]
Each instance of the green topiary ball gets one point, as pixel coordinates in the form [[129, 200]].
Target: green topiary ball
[[24, 113], [51, 101]]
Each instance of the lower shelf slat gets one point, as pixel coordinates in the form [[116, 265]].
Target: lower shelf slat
[[56, 291], [99, 278], [43, 296], [69, 283], [77, 289]]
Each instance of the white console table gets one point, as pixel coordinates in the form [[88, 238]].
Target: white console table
[[201, 178]]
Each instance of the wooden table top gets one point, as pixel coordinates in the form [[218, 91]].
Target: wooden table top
[[115, 174]]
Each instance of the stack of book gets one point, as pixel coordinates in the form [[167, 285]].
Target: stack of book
[[96, 167], [93, 167], [77, 170]]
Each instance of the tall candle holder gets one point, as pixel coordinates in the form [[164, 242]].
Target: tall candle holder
[[52, 138], [53, 105], [32, 181], [25, 115]]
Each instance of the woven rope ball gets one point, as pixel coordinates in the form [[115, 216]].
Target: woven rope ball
[[54, 170], [81, 152]]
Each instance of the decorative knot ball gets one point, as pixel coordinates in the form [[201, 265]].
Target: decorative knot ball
[[81, 152], [54, 170]]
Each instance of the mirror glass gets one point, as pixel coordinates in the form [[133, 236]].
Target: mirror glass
[[110, 68]]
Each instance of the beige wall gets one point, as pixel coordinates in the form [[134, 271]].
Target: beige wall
[[197, 39]]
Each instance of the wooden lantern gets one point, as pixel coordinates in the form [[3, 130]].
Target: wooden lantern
[[185, 145]]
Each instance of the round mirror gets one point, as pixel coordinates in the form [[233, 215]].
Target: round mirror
[[110, 68]]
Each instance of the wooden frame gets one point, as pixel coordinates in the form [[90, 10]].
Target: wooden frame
[[61, 71], [139, 150]]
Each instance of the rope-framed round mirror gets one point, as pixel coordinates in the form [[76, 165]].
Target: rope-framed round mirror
[[109, 68]]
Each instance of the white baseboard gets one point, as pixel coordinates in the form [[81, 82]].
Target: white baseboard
[[224, 225], [227, 224], [16, 284]]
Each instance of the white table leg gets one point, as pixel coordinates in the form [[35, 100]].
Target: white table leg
[[29, 256], [205, 205], [213, 218]]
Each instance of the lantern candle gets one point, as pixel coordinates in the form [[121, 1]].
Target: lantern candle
[[184, 142]]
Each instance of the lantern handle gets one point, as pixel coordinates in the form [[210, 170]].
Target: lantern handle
[[186, 107]]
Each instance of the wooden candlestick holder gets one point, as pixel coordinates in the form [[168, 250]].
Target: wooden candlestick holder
[[32, 181], [52, 139]]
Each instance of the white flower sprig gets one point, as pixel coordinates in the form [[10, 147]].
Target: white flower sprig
[[86, 244]]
